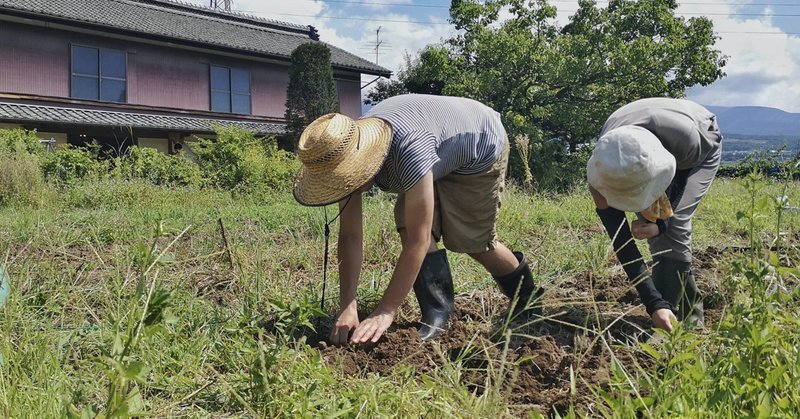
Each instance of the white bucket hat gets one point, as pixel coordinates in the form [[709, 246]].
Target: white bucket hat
[[630, 168]]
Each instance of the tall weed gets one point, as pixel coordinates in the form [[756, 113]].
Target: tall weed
[[149, 311], [749, 367], [158, 168], [21, 180]]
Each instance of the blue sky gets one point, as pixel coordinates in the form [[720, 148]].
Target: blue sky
[[761, 38]]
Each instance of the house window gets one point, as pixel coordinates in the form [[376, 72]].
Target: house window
[[98, 74], [230, 90]]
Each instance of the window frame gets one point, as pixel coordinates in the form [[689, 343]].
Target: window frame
[[99, 76], [230, 92]]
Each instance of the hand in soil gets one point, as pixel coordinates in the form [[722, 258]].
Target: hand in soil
[[372, 328], [643, 230], [345, 324], [663, 319]]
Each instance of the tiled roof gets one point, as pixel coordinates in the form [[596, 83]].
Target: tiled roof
[[16, 112], [190, 23]]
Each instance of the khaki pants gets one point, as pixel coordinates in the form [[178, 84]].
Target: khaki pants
[[465, 208]]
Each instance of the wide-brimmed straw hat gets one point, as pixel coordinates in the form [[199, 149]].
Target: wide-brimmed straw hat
[[339, 155], [630, 168]]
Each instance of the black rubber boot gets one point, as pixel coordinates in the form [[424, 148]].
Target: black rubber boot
[[675, 280], [519, 284], [434, 291]]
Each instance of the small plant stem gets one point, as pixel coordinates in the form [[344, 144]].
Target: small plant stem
[[225, 242], [233, 392]]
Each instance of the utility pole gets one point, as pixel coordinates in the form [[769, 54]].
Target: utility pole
[[378, 43]]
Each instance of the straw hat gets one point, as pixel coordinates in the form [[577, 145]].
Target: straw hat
[[630, 168], [339, 155]]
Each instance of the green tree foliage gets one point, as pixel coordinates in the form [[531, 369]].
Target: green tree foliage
[[311, 92], [558, 85]]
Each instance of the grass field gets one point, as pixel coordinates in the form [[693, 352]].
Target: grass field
[[127, 299]]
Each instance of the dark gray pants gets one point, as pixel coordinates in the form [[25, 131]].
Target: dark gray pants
[[676, 242]]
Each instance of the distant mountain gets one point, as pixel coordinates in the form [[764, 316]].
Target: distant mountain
[[757, 121]]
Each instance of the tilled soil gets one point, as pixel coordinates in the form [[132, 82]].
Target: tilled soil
[[543, 366]]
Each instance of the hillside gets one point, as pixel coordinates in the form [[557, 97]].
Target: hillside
[[757, 121]]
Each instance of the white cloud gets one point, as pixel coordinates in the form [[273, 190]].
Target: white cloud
[[398, 35], [761, 70]]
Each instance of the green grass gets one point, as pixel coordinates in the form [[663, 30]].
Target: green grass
[[78, 262]]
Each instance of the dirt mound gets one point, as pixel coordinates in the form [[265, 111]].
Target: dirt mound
[[533, 361], [538, 364]]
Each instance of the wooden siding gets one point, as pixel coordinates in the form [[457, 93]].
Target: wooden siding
[[32, 62], [349, 97]]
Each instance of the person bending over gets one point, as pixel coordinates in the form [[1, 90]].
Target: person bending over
[[446, 159], [656, 157]]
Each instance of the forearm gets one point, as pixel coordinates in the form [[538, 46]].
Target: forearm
[[628, 254], [350, 258], [405, 273]]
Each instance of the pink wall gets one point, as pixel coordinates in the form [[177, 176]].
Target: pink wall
[[349, 97], [35, 60], [33, 64]]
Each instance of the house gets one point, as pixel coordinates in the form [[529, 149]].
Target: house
[[153, 73]]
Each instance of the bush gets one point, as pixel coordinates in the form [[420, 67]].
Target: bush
[[71, 164], [551, 164], [765, 162], [240, 162], [158, 168], [19, 141]]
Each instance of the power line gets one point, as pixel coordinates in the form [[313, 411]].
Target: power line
[[448, 23], [435, 6], [356, 18], [758, 33]]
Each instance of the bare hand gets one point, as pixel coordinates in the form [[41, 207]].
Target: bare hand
[[643, 230], [663, 319], [372, 328], [345, 324]]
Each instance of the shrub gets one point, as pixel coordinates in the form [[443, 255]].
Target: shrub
[[554, 168], [240, 162], [765, 162], [158, 168], [70, 164], [16, 141]]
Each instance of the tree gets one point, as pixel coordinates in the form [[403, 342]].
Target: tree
[[311, 92], [556, 86]]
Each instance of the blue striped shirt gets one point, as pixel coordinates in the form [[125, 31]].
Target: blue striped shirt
[[443, 134]]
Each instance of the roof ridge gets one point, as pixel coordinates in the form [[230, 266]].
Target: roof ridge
[[228, 16]]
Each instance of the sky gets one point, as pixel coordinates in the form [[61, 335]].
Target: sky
[[760, 37]]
